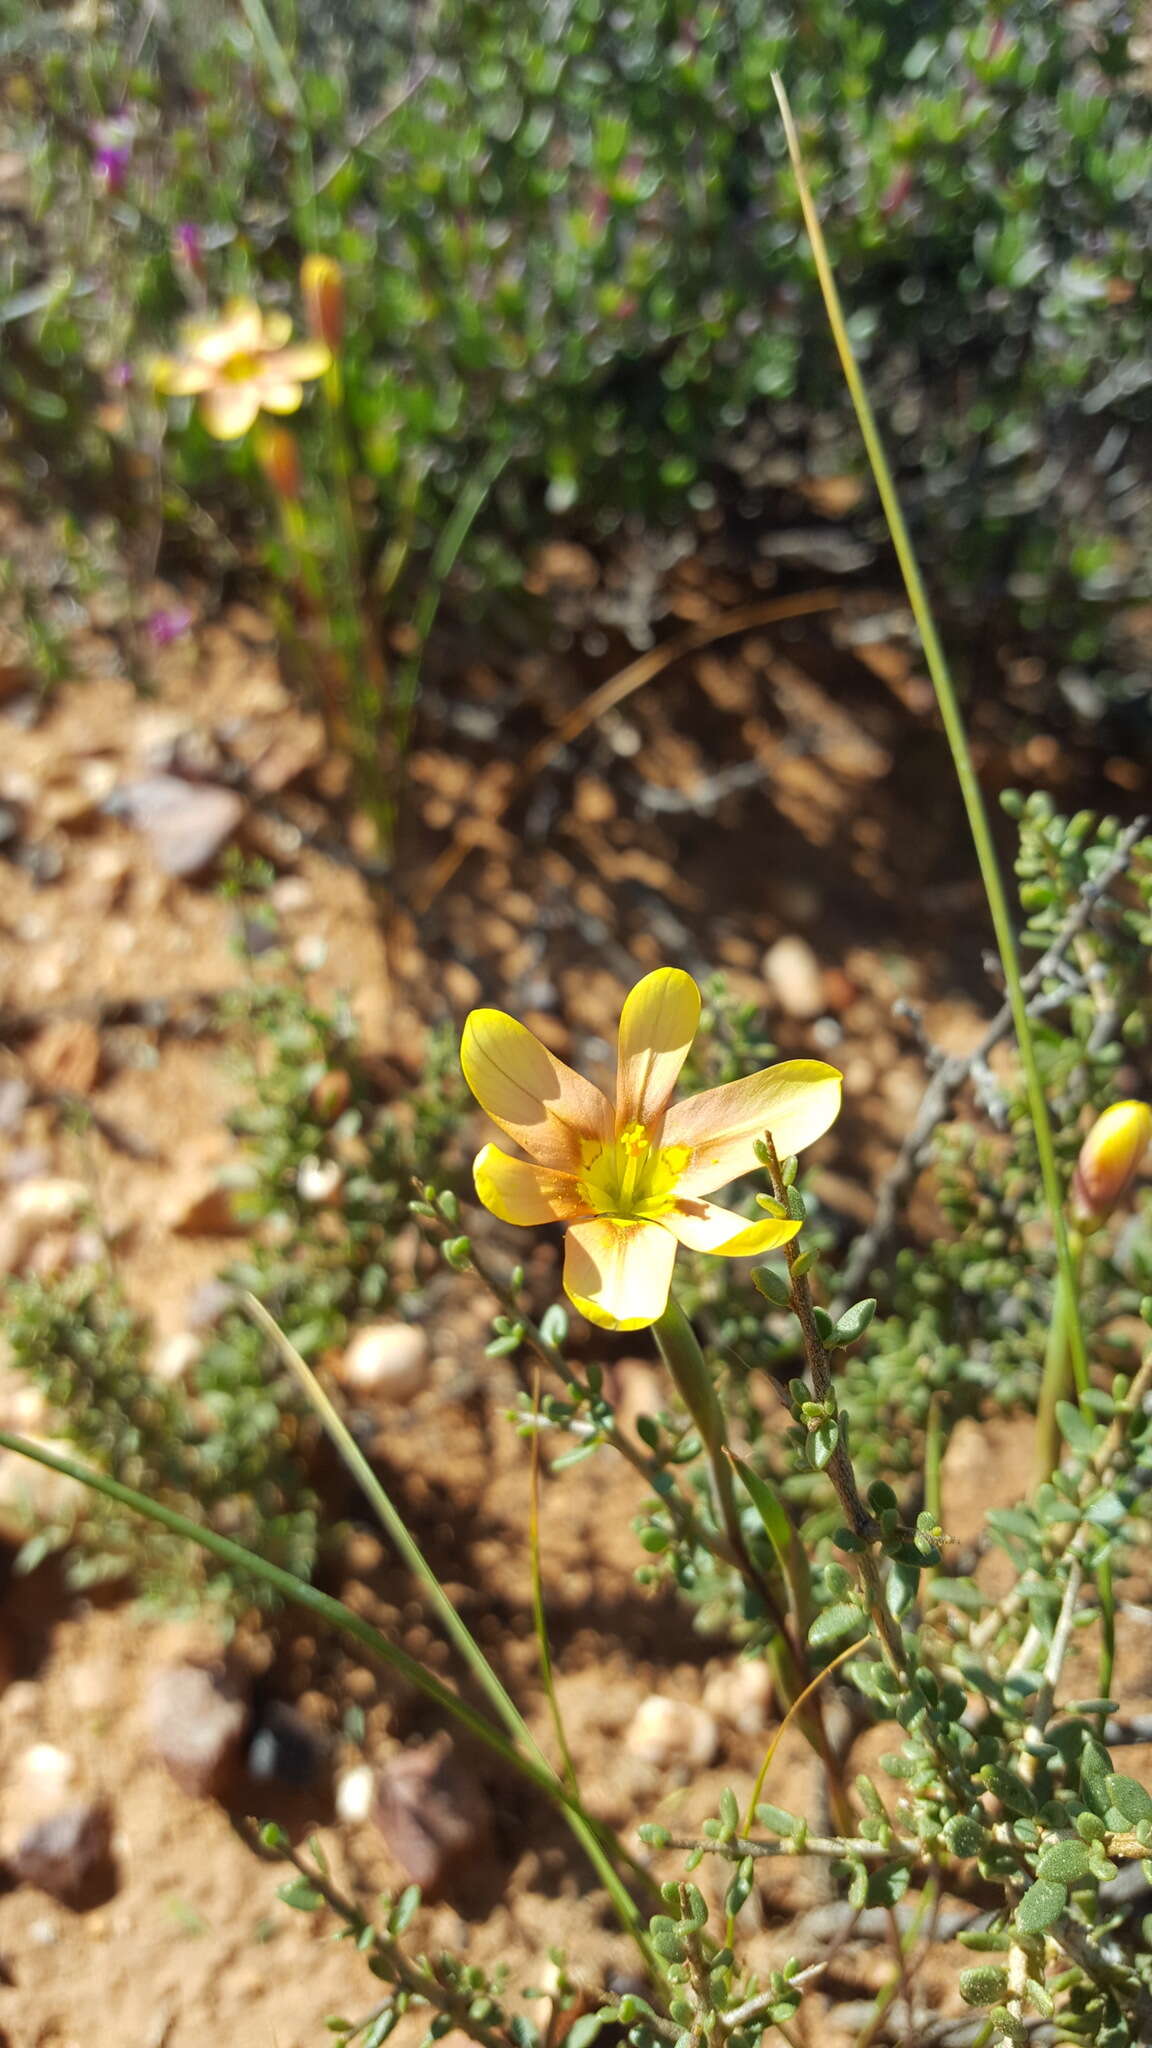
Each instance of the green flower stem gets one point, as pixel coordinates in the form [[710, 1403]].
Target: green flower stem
[[1061, 1377], [953, 722], [680, 1350]]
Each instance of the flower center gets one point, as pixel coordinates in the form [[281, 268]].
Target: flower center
[[239, 369], [632, 1178]]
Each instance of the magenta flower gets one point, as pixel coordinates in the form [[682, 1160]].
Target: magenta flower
[[169, 624]]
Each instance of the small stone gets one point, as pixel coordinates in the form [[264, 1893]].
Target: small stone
[[666, 1731], [432, 1814], [741, 1695], [286, 1749], [355, 1794], [66, 1852], [385, 1362], [793, 974], [67, 1056], [186, 824], [35, 1208], [176, 1356], [319, 1181], [32, 1495], [196, 1718], [208, 1302], [202, 1205]]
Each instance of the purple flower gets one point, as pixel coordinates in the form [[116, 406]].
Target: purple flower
[[188, 247], [112, 152], [171, 624]]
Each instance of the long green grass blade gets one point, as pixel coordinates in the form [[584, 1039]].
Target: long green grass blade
[[953, 722], [599, 1845], [296, 1590]]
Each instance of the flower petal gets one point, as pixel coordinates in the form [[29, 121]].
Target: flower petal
[[238, 332], [173, 377], [229, 410], [276, 329], [519, 1192], [531, 1094], [705, 1227], [279, 398], [295, 365], [657, 1025], [618, 1271], [796, 1101]]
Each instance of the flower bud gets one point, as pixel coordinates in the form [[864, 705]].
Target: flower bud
[[322, 288], [1108, 1162], [278, 453]]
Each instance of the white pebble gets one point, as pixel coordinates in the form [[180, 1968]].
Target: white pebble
[[665, 1731], [355, 1794], [319, 1180], [388, 1361]]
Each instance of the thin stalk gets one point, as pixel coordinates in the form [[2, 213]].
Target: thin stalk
[[334, 1612], [1106, 1594], [539, 1609], [688, 1367], [953, 722], [444, 555], [296, 1590], [1060, 1377], [588, 1834]]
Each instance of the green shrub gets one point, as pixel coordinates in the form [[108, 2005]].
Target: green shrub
[[572, 246]]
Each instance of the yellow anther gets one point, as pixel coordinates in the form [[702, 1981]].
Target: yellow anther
[[633, 1141]]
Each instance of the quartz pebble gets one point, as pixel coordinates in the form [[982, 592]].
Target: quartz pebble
[[196, 1718], [741, 1696], [385, 1362], [666, 1731], [792, 972], [186, 824], [355, 1794]]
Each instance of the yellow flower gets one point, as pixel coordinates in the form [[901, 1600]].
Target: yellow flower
[[630, 1181], [1109, 1158], [237, 366]]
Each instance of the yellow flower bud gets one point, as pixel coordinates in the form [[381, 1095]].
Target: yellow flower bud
[[1108, 1162], [278, 453], [322, 289]]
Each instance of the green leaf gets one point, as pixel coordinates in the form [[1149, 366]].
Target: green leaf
[[983, 1986], [300, 1894], [1130, 1798], [965, 1836], [554, 1325], [841, 1620], [403, 1911], [1064, 1862], [583, 2031], [771, 1511], [1010, 1790], [1077, 1432], [1042, 1903], [777, 1821], [773, 1286], [852, 1324], [823, 1442]]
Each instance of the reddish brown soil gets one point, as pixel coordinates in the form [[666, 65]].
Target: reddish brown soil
[[581, 882]]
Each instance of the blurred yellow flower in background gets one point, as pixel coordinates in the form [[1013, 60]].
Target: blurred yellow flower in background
[[241, 364], [630, 1181]]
